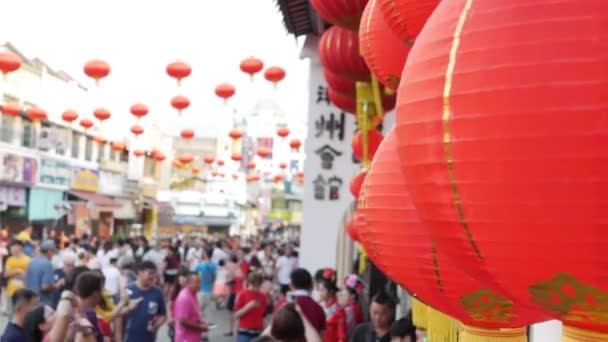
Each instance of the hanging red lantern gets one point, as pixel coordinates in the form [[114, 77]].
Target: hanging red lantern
[[138, 153], [209, 159], [36, 114], [9, 62], [264, 151], [187, 133], [186, 159], [402, 246], [97, 70], [236, 157], [235, 133], [277, 178], [274, 74], [220, 162], [501, 194], [69, 116], [12, 109], [346, 14], [339, 84], [235, 176], [283, 165], [407, 17], [177, 164], [86, 124], [99, 139], [251, 165], [251, 66], [283, 132], [215, 173], [252, 178], [351, 228], [139, 110], [101, 114], [300, 174], [374, 138], [180, 103], [342, 102], [179, 70], [119, 146], [295, 144], [159, 156], [196, 170], [225, 91], [382, 50], [356, 182], [339, 52], [137, 130]]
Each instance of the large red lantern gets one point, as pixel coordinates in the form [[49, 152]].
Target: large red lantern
[[407, 17], [97, 69], [274, 74], [374, 138], [209, 159], [225, 91], [179, 70], [187, 133], [86, 124], [137, 130], [283, 132], [344, 103], [102, 114], [139, 110], [69, 116], [177, 164], [340, 84], [12, 109], [251, 165], [9, 62], [99, 139], [264, 151], [36, 114], [339, 52], [356, 182], [252, 178], [235, 133], [295, 144], [509, 170], [251, 66], [180, 103], [346, 14], [403, 247], [196, 170], [185, 159], [236, 157], [382, 50]]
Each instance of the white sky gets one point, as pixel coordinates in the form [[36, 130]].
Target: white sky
[[139, 38]]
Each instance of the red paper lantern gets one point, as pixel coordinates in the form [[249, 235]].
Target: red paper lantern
[[186, 159], [137, 130], [402, 246], [264, 151], [341, 85], [139, 153], [274, 74], [342, 102], [179, 70], [283, 132], [69, 116], [102, 114], [215, 173], [118, 146], [277, 178], [9, 62], [351, 228], [283, 165], [251, 165], [220, 162], [99, 139], [346, 14], [177, 164], [196, 170], [236, 157], [251, 66], [252, 178], [187, 133], [339, 52], [407, 17], [356, 182], [295, 144], [235, 133], [209, 159], [506, 201], [36, 114], [374, 138], [139, 110], [97, 69], [12, 109], [300, 174], [180, 103], [382, 50], [225, 91], [86, 124], [159, 156], [235, 176]]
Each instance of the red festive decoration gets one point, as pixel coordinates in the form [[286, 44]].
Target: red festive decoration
[[36, 114], [300, 174], [137, 130], [356, 182], [101, 114], [97, 69], [179, 70], [220, 162], [341, 85], [382, 50], [9, 62], [236, 157], [12, 109], [274, 74], [209, 159], [283, 132], [99, 139], [215, 173], [139, 110], [186, 159], [69, 116], [252, 178], [86, 124], [277, 178], [339, 52], [235, 176], [295, 144], [235, 133], [374, 138], [180, 103], [177, 164], [407, 17], [263, 151], [351, 228], [342, 102], [187, 133], [196, 170], [283, 165], [139, 153], [225, 91], [251, 165], [159, 156], [119, 146], [346, 14], [251, 66]]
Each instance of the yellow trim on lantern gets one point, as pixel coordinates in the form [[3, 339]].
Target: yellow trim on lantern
[[436, 265], [447, 113], [419, 317], [441, 327], [572, 334], [377, 98], [476, 334]]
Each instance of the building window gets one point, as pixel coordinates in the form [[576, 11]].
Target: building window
[[88, 148], [150, 167], [28, 138], [6, 128], [75, 144], [100, 152]]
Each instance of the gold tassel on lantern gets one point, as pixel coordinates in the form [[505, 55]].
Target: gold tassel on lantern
[[475, 334], [572, 334], [366, 111], [419, 316], [441, 327]]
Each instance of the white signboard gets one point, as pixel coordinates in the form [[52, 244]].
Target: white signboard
[[328, 169]]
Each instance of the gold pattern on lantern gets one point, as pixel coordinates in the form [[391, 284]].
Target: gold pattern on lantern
[[436, 265], [486, 306], [571, 299], [393, 80]]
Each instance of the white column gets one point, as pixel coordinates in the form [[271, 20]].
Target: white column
[[106, 151], [17, 131], [81, 147], [546, 331], [95, 152]]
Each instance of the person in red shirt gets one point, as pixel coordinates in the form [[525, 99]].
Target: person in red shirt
[[250, 309], [335, 317], [354, 313]]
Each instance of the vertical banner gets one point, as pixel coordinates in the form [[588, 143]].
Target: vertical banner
[[328, 170]]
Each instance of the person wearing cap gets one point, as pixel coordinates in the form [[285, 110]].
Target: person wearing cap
[[39, 276]]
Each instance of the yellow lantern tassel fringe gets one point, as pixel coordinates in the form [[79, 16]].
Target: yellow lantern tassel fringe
[[377, 98], [572, 334], [475, 334], [441, 327], [419, 317]]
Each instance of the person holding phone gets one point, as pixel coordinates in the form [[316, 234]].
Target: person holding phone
[[250, 309]]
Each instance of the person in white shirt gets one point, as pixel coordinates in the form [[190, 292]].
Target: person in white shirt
[[286, 263], [112, 277], [218, 254], [157, 256]]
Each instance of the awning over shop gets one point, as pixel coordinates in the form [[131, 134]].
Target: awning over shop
[[126, 211], [97, 199]]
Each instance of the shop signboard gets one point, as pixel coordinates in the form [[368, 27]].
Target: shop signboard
[[54, 172], [15, 168], [85, 179]]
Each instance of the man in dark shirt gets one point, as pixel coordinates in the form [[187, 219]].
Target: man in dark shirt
[[23, 300], [382, 315]]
